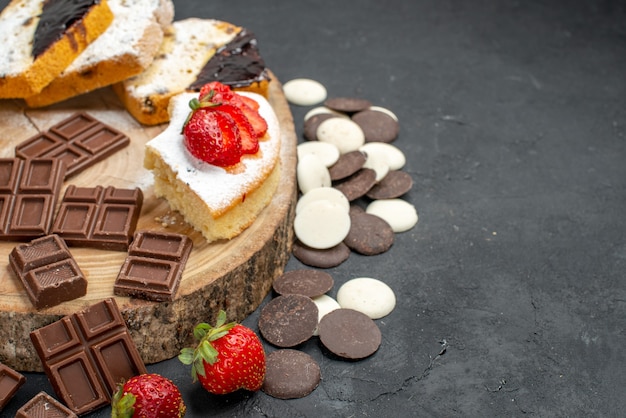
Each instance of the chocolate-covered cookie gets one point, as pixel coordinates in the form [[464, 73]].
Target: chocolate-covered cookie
[[377, 126], [331, 257], [349, 334], [358, 184], [394, 184], [307, 282], [347, 104], [369, 234], [288, 320], [290, 374]]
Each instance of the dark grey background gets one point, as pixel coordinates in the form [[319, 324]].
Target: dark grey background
[[511, 295]]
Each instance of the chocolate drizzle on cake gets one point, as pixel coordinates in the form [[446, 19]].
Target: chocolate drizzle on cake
[[57, 16], [237, 64]]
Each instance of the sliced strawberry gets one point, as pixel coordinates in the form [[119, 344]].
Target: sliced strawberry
[[249, 141], [250, 102], [214, 88], [213, 137]]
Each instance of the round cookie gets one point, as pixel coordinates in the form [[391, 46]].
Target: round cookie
[[369, 234], [358, 184], [304, 91], [369, 296], [400, 214], [327, 153], [290, 374], [309, 129], [347, 164], [330, 257], [394, 156], [344, 133], [393, 185], [322, 224], [349, 334], [288, 320], [323, 193], [347, 104], [377, 126], [312, 173], [306, 282]]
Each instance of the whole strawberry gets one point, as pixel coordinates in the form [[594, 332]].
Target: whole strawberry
[[148, 396], [227, 358]]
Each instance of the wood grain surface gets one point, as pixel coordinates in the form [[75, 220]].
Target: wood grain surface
[[233, 275]]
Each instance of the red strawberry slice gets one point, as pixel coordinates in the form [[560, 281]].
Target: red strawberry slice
[[249, 142], [213, 137]]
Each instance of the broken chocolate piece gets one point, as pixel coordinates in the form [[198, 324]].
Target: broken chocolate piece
[[154, 266], [98, 217], [28, 194], [80, 141], [86, 354], [43, 405], [10, 382], [48, 271]]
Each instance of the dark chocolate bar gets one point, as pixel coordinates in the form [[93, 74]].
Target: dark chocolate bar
[[154, 265], [10, 382], [43, 405], [28, 195], [86, 354], [98, 217], [48, 271], [79, 141]]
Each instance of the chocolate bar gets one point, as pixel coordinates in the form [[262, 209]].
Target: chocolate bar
[[43, 405], [98, 217], [154, 265], [10, 382], [86, 354], [79, 141], [48, 271], [28, 195]]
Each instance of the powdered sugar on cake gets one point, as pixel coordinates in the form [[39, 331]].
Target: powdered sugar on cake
[[219, 188]]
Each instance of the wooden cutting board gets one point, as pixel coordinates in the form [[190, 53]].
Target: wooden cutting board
[[232, 275]]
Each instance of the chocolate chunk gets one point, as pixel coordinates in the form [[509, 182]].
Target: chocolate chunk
[[305, 282], [86, 354], [348, 164], [349, 334], [10, 382], [154, 266], [347, 104], [358, 184], [80, 141], [43, 405], [98, 217], [331, 257], [312, 123], [28, 194], [290, 374], [288, 320], [48, 271], [377, 126], [369, 234], [393, 185]]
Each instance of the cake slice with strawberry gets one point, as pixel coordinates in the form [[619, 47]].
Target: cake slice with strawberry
[[217, 163]]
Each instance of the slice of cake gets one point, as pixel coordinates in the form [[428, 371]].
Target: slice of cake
[[220, 202], [40, 38], [194, 52], [125, 49]]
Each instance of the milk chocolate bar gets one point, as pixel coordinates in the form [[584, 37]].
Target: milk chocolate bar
[[48, 271], [154, 265], [98, 217], [79, 141], [86, 354], [28, 195], [43, 405], [10, 382]]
